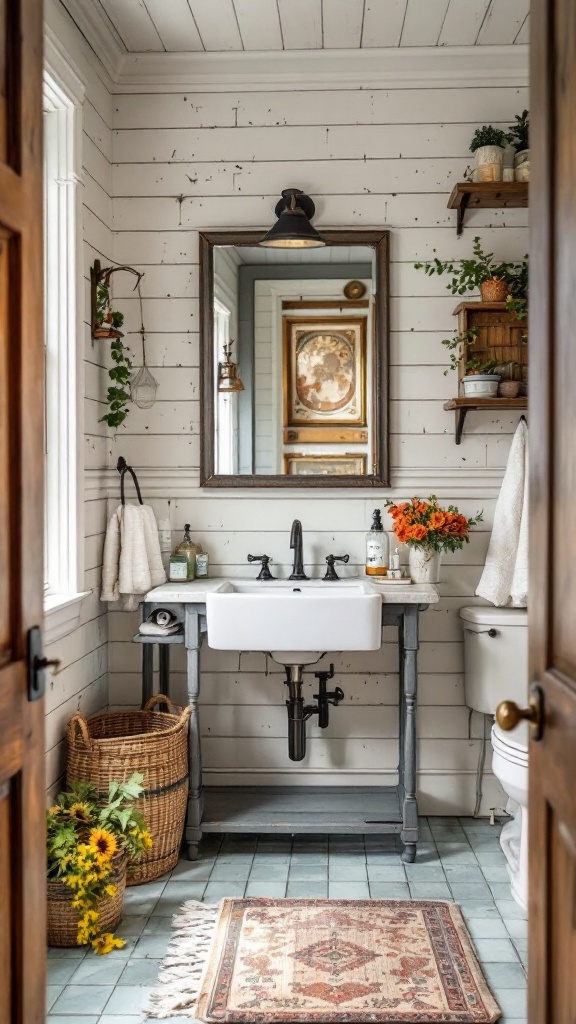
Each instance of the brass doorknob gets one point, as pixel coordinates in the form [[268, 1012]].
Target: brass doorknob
[[509, 715]]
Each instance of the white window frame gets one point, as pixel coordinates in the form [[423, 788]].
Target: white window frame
[[226, 406], [63, 98]]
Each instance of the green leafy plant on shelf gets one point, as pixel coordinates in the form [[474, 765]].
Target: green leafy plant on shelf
[[457, 346], [477, 365], [520, 132], [470, 274], [487, 135]]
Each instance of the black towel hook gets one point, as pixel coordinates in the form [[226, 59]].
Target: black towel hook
[[122, 466]]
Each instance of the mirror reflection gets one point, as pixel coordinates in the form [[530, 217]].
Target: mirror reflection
[[293, 340]]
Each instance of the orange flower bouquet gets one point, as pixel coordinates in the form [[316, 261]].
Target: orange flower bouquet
[[422, 523]]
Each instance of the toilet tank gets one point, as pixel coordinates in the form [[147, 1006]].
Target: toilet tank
[[495, 657]]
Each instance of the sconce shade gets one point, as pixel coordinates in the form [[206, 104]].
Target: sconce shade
[[143, 387], [293, 229]]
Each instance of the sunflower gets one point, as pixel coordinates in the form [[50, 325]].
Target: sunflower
[[103, 842], [106, 942], [81, 812]]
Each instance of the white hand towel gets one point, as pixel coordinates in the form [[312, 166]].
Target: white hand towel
[[132, 560], [506, 568]]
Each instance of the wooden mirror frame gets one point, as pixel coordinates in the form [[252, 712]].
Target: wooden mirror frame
[[375, 239]]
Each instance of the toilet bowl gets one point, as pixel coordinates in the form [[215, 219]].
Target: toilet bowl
[[510, 766], [496, 669]]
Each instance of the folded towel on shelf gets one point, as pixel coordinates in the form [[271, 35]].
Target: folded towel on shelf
[[505, 574], [149, 628], [132, 560]]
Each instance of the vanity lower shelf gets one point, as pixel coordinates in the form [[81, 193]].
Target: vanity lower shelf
[[302, 809]]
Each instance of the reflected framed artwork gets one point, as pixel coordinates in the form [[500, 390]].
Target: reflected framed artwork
[[324, 371], [349, 464]]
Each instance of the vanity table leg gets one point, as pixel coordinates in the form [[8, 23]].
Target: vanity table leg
[[409, 832], [164, 674], [147, 672], [195, 800]]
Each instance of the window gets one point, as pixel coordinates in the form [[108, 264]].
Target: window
[[226, 411], [63, 548]]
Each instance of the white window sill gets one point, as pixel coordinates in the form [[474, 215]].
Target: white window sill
[[61, 615]]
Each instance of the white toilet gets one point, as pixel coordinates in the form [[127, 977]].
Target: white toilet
[[496, 669]]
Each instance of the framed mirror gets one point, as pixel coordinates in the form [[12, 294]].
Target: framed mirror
[[295, 352]]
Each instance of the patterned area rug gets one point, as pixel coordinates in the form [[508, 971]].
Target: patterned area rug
[[324, 961]]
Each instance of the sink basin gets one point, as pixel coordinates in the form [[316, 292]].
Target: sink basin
[[295, 621]]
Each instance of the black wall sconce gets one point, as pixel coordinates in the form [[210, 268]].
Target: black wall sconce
[[293, 229]]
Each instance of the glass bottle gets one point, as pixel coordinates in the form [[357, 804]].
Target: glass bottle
[[376, 547], [190, 549]]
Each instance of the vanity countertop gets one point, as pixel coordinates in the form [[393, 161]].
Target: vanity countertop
[[195, 592]]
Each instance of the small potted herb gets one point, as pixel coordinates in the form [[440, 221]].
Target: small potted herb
[[488, 146], [480, 380], [519, 134]]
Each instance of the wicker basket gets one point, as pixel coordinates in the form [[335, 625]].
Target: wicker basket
[[63, 917], [112, 746]]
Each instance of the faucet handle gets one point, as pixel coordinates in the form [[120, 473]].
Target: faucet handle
[[331, 573], [264, 573]]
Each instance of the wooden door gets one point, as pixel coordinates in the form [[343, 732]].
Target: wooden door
[[22, 843], [552, 615]]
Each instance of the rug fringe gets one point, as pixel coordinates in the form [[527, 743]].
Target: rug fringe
[[181, 973]]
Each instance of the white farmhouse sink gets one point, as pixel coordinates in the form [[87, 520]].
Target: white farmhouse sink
[[295, 621]]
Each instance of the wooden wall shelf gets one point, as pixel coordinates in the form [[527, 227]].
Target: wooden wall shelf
[[486, 195], [462, 407]]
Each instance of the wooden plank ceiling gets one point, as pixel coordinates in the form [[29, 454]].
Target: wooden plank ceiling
[[233, 25]]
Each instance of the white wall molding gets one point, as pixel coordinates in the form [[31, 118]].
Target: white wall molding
[[91, 21], [392, 68], [480, 483]]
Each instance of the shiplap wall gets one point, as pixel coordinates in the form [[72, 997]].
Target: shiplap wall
[[82, 682], [185, 162]]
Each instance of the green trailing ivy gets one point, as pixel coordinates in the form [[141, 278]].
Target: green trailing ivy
[[467, 275], [118, 394]]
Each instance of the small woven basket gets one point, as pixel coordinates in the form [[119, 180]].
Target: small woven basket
[[63, 917], [113, 745]]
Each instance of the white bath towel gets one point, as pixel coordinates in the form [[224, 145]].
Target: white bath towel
[[132, 559], [505, 574]]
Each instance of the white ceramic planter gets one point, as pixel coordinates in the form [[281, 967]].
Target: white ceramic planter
[[489, 160], [424, 564], [522, 165], [481, 385]]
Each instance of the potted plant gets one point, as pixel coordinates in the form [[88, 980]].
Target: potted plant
[[429, 530], [488, 147], [481, 381], [88, 844], [495, 280], [519, 134]]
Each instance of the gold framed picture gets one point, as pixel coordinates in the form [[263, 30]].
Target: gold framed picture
[[296, 464], [324, 371]]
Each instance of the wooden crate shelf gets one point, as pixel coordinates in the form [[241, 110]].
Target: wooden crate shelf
[[486, 195], [462, 407]]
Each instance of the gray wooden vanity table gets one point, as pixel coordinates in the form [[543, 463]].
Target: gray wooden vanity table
[[295, 809]]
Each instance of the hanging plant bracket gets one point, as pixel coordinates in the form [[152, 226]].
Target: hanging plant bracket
[[101, 276]]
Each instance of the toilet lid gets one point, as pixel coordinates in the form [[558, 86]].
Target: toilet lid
[[515, 741]]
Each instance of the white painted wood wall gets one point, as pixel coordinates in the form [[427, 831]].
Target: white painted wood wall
[[82, 682], [369, 158]]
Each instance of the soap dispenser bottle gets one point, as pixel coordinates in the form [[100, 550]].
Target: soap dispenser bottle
[[190, 549], [376, 547]]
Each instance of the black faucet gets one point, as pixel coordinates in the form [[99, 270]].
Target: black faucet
[[296, 544]]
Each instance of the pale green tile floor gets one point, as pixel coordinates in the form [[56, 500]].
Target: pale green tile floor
[[458, 858]]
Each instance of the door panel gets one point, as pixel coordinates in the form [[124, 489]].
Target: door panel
[[552, 614], [22, 842]]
